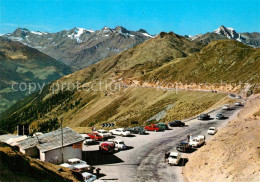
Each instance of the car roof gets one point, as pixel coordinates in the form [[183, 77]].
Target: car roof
[[119, 128], [85, 174], [73, 160], [174, 153], [101, 130], [212, 127]]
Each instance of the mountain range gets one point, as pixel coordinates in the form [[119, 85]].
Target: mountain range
[[167, 58], [80, 47]]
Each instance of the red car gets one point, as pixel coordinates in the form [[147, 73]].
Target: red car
[[95, 136], [107, 147], [153, 127]]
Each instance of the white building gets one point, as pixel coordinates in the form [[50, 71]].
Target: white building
[[48, 147]]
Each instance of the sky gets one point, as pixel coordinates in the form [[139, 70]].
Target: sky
[[184, 17]]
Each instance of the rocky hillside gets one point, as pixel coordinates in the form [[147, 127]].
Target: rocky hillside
[[21, 64], [233, 153], [14, 166], [166, 58], [80, 47], [251, 39]]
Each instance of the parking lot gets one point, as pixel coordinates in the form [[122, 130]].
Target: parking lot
[[144, 158]]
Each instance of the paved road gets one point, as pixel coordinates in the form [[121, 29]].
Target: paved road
[[144, 161]]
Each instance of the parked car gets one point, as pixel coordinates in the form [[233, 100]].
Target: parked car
[[88, 177], [176, 123], [120, 144], [108, 147], [88, 140], [226, 107], [174, 158], [183, 147], [163, 125], [153, 127], [238, 104], [204, 117], [238, 97], [37, 134], [136, 130], [78, 165], [119, 131], [220, 116], [103, 133], [95, 136], [212, 130], [197, 141]]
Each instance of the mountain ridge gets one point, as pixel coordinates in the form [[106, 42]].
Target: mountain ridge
[[79, 47]]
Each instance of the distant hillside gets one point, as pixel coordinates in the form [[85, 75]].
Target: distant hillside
[[22, 64], [166, 58], [80, 47], [14, 166], [224, 60]]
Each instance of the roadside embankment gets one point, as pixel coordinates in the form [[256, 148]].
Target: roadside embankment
[[233, 154]]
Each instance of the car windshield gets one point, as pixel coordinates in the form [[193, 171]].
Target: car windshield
[[211, 129], [173, 156], [121, 142], [103, 132]]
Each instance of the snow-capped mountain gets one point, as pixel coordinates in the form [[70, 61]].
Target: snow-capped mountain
[[251, 39], [80, 47], [230, 33]]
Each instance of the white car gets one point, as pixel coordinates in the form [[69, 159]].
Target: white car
[[87, 140], [77, 165], [212, 130], [238, 97], [120, 131], [37, 134], [120, 144], [103, 133], [226, 107], [174, 158], [238, 104], [88, 177], [197, 141]]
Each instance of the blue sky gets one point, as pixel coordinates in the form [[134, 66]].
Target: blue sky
[[180, 16]]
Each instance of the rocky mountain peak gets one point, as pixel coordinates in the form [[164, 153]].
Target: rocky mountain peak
[[227, 32], [121, 29]]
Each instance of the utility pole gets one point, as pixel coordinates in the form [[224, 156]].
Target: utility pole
[[62, 141]]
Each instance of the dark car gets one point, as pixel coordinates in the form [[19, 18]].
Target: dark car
[[176, 123], [136, 130], [163, 125], [204, 117], [183, 147], [220, 116]]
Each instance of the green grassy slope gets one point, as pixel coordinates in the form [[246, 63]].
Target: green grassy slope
[[22, 64]]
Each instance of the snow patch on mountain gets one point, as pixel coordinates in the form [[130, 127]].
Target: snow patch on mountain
[[38, 33], [147, 35]]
